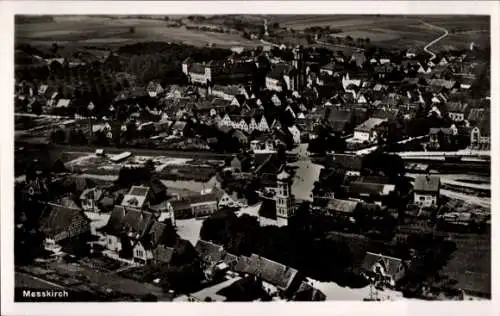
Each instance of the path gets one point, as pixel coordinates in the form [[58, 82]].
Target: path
[[426, 48]]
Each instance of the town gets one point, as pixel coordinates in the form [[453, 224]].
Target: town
[[308, 166]]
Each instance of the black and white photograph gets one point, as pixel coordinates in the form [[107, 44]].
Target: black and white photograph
[[251, 157]]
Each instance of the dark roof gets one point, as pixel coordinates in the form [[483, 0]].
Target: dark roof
[[57, 219], [126, 220], [342, 206], [339, 116], [391, 265], [307, 292], [163, 253], [457, 107], [359, 187], [272, 165], [386, 114], [349, 162], [484, 127], [210, 252], [270, 271], [427, 183], [478, 114]]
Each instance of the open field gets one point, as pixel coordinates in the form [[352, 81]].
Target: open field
[[86, 30], [398, 31]]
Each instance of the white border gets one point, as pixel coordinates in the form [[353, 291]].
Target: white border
[[9, 8]]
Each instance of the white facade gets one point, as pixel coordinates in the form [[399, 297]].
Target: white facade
[[284, 207], [113, 243], [362, 135], [273, 84], [456, 116], [426, 199], [263, 126]]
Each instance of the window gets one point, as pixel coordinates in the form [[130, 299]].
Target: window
[[139, 253], [422, 198]]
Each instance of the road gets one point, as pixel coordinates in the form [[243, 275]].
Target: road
[[90, 149], [426, 48]]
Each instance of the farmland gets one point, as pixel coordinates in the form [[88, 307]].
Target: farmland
[[398, 30], [391, 31], [84, 30]]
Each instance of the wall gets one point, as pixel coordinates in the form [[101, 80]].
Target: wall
[[364, 136], [113, 243]]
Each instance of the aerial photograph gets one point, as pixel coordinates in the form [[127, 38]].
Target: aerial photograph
[[252, 158]]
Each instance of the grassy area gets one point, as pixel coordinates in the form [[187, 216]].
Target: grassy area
[[470, 264]]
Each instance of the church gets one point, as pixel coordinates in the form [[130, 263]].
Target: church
[[278, 209]]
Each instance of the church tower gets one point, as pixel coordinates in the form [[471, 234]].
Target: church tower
[[300, 69], [284, 200]]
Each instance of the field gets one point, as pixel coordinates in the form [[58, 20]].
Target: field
[[398, 31], [85, 30], [391, 31]]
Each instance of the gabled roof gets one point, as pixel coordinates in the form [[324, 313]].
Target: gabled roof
[[349, 162], [369, 124], [268, 270], [342, 206], [57, 219], [391, 265], [63, 103], [124, 220], [427, 183]]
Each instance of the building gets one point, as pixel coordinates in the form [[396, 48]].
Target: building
[[441, 137], [352, 164], [387, 269], [426, 189], [138, 197], [146, 249], [67, 227], [284, 199], [366, 132], [277, 278], [457, 111], [90, 198], [126, 224], [480, 135]]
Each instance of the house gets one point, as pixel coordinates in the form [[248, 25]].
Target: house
[[366, 132], [295, 132], [235, 164], [154, 89], [67, 227], [144, 248], [263, 126], [90, 198], [441, 137], [179, 128], [138, 197], [63, 103], [351, 163], [276, 277], [196, 205], [388, 269], [457, 111], [480, 135], [340, 121], [126, 225], [340, 209], [426, 189], [209, 253], [370, 191]]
